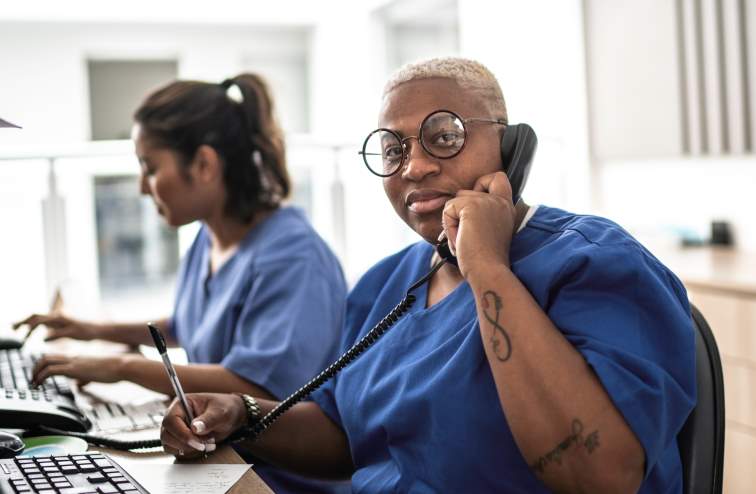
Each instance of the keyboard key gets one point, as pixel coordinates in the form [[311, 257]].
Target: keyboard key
[[97, 478]]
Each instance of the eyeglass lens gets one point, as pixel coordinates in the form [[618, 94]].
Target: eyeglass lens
[[442, 135]]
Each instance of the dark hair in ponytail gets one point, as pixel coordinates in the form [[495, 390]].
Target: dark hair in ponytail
[[240, 126]]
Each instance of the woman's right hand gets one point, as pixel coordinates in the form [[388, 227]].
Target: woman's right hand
[[216, 417], [60, 326]]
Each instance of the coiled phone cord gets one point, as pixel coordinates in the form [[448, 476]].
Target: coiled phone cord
[[252, 433]]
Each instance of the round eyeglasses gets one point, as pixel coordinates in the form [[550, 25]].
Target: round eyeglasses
[[442, 135]]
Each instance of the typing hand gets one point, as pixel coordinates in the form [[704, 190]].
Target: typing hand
[[217, 416], [83, 369], [59, 326]]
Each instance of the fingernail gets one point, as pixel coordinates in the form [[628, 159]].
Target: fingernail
[[210, 447], [196, 445], [199, 426]]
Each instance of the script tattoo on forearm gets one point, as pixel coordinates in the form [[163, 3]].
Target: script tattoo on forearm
[[590, 443], [502, 345]]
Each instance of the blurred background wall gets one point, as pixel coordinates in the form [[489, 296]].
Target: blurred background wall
[[645, 112]]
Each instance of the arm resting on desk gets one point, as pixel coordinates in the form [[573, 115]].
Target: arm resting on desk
[[134, 333], [304, 440], [148, 373], [194, 378]]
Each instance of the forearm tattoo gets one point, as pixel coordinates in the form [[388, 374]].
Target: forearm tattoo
[[590, 443], [502, 345]]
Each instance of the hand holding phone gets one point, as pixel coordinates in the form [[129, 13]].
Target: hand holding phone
[[479, 223], [517, 147]]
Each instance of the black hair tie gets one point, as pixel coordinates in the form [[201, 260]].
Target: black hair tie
[[227, 83]]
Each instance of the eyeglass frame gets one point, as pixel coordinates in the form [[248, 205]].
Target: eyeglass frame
[[419, 137]]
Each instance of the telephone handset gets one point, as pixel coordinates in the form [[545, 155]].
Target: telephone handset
[[518, 146]]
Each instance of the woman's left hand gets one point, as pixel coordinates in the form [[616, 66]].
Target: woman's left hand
[[83, 369], [479, 223]]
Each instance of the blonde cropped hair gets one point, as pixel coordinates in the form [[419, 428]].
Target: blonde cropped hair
[[469, 74]]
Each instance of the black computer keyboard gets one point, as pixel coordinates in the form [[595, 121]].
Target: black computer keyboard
[[86, 473], [16, 373], [56, 393]]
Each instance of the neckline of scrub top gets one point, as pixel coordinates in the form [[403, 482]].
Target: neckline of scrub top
[[422, 293]]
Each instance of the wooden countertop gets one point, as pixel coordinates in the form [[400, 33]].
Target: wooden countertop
[[713, 268]]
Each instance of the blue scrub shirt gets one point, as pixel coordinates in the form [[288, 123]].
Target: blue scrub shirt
[[272, 313], [421, 409]]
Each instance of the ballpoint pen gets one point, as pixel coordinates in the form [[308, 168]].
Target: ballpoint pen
[[157, 336]]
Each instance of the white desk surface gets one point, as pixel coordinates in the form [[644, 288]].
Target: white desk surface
[[249, 483]]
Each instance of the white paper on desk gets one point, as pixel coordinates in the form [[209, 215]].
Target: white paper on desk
[[186, 478]]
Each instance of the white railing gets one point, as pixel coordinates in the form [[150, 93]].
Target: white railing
[[54, 201]]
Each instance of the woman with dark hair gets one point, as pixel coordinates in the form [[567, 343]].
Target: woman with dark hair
[[260, 296]]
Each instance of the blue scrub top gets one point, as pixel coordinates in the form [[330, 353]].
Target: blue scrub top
[[421, 409], [272, 313]]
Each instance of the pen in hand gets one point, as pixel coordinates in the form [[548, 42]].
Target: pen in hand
[[157, 337]]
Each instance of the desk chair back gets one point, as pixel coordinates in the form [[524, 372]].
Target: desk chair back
[[702, 437]]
